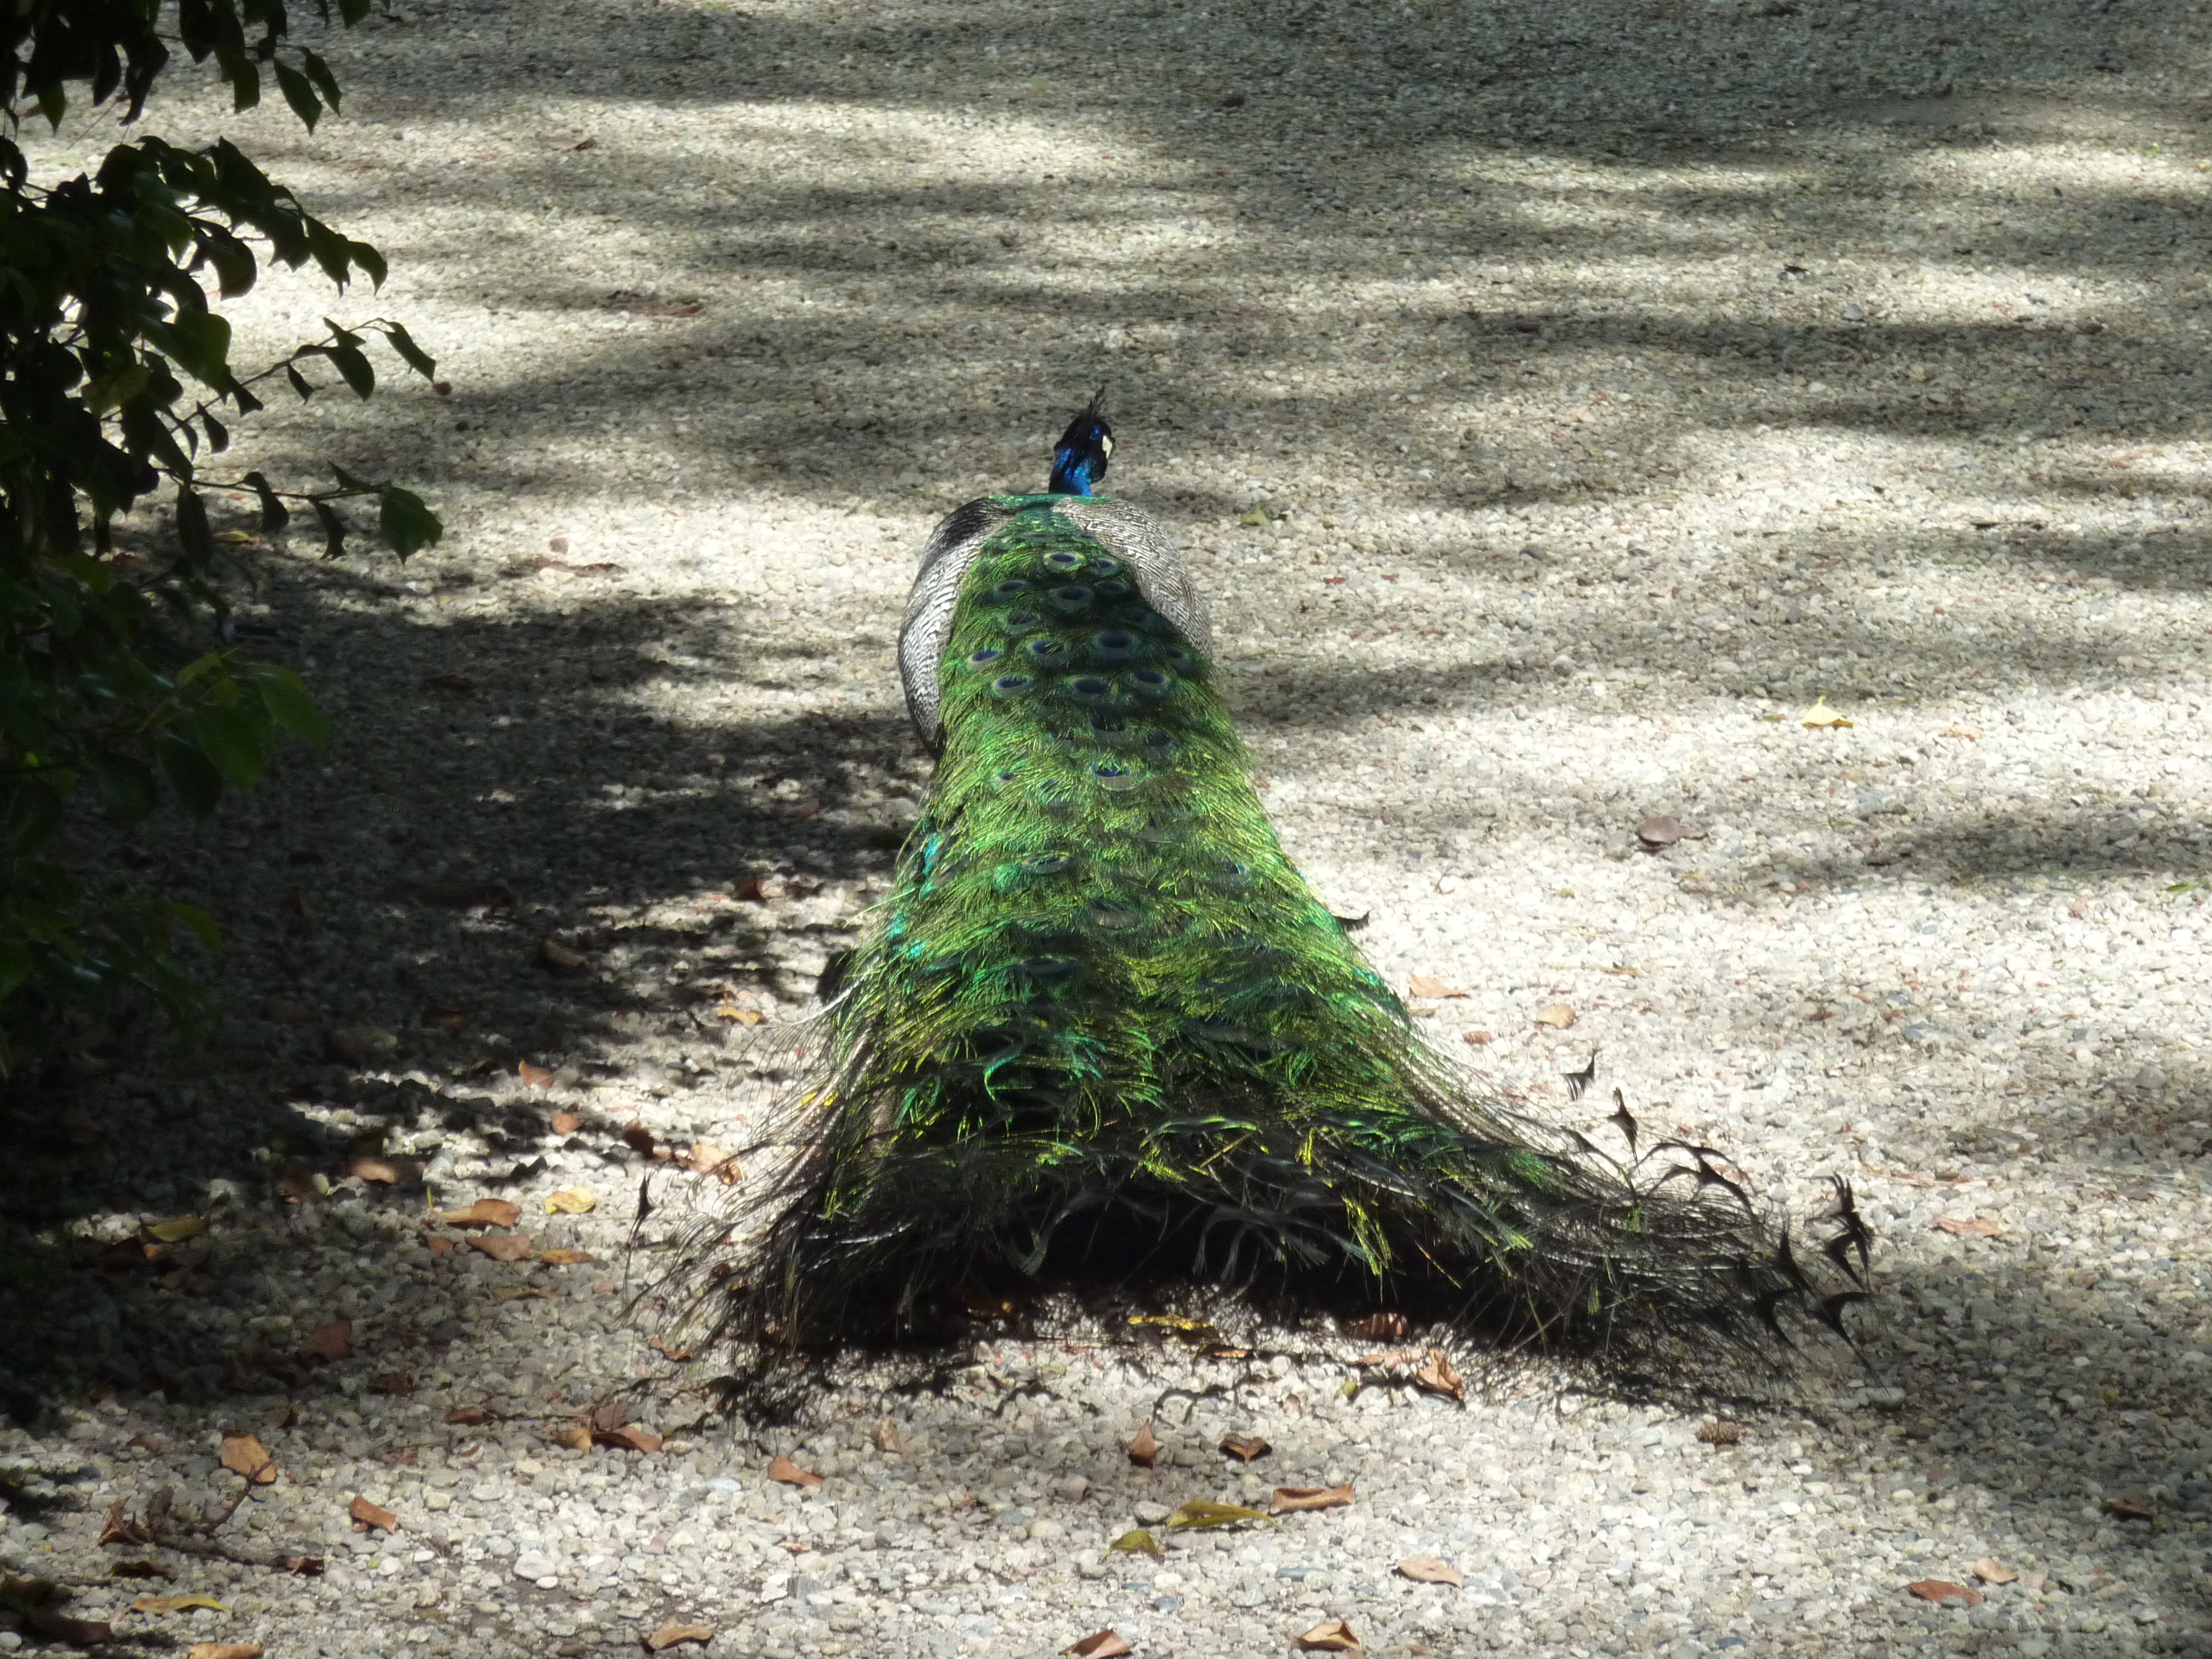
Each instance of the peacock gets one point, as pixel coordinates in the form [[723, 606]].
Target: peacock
[[1102, 1035]]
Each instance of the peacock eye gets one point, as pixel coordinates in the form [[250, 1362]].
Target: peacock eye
[[1108, 775], [1114, 645], [1071, 598], [1044, 650], [1011, 685], [1113, 588], [1064, 560], [1012, 587], [1020, 622], [1181, 661], [1105, 565], [987, 655], [1150, 682], [1089, 688]]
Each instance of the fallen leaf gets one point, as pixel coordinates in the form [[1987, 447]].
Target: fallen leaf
[[610, 1415], [731, 1011], [885, 1437], [1379, 1327], [177, 1231], [484, 1212], [783, 1469], [1137, 1542], [534, 1076], [1421, 985], [243, 1454], [375, 1170], [301, 1567], [504, 1247], [1937, 1591], [566, 1123], [1990, 1570], [1479, 1039], [1330, 1636], [1559, 1014], [176, 1604], [470, 1415], [566, 1257], [373, 1514], [575, 1436], [140, 1570], [1819, 717], [519, 1294], [1720, 1433], [708, 1158], [2130, 1507], [446, 1019], [1144, 1449], [1202, 1514], [59, 1627], [437, 1247], [630, 1438], [1100, 1644], [224, 1650], [560, 958], [662, 1348], [638, 1138], [1294, 1500], [295, 1178], [1979, 1226], [669, 1635], [1659, 832], [120, 1528], [396, 1385], [1437, 1376], [332, 1341], [1245, 1446], [1427, 1570], [570, 1200]]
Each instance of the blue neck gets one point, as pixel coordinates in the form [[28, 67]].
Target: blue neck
[[1070, 474]]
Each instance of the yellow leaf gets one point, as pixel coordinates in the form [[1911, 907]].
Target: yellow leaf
[[1559, 1015], [1202, 1513], [176, 1604], [742, 1016], [243, 1454], [177, 1231], [570, 1200], [1138, 1543], [1819, 716]]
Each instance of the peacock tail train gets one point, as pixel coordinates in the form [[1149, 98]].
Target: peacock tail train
[[1102, 1033]]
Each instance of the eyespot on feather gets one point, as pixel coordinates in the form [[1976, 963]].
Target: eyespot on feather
[[1069, 599], [1108, 775], [987, 655], [1019, 622], [1011, 685], [1114, 645], [1012, 588], [1064, 560], [1090, 689], [1105, 564], [1044, 650], [1150, 683], [1112, 587]]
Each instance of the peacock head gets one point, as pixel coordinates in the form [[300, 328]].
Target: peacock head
[[1079, 460]]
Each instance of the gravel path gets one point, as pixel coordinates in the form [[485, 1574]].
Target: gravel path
[[1562, 401]]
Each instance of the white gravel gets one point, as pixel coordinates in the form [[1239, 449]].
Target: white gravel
[[1561, 400]]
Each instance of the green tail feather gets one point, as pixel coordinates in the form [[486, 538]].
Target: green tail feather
[[1102, 1030]]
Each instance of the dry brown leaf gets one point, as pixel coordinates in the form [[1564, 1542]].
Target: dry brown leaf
[[1479, 1039], [575, 1436], [610, 1414], [1958, 731], [120, 1528], [534, 1077], [1391, 1357], [570, 1200], [2132, 1506], [885, 1437], [708, 1158], [783, 1469], [555, 955], [484, 1212], [177, 1231], [1100, 1644], [1979, 1226], [1437, 1376], [1330, 1636], [1427, 1570], [396, 1385], [566, 1257], [677, 1354], [1144, 1449], [224, 1650], [1245, 1446], [376, 1171], [446, 1019], [1421, 985], [1295, 1500], [300, 1566], [1379, 1327], [437, 1247], [60, 1628], [638, 1138], [504, 1247], [566, 1123], [176, 1604], [1939, 1591], [1720, 1433], [1659, 832], [470, 1415], [630, 1438], [243, 1454], [1990, 1570], [1559, 1015], [669, 1636], [332, 1341], [369, 1515], [743, 1016]]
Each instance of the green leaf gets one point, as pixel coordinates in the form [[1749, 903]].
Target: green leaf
[[334, 530], [284, 694], [407, 524], [16, 964], [412, 354], [244, 75], [352, 11], [218, 434], [235, 267], [196, 782], [366, 256], [352, 362], [299, 382], [1137, 1542], [192, 525], [199, 668], [330, 251], [124, 786], [319, 73], [300, 92], [275, 515], [1202, 1513], [200, 342], [201, 923], [235, 739], [350, 481]]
